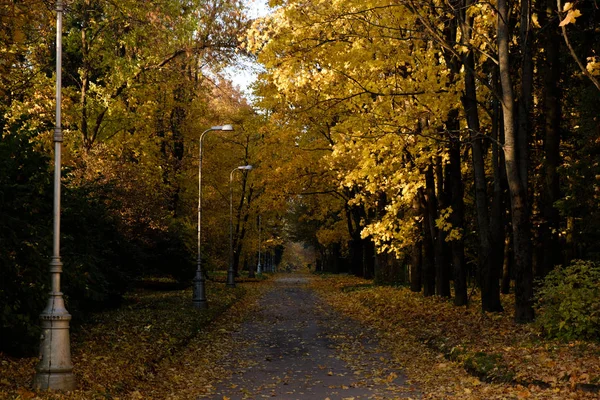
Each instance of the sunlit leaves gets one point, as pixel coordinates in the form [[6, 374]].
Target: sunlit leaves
[[572, 14], [155, 346], [380, 89], [438, 344]]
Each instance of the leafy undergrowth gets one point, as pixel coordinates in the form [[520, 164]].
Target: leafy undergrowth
[[156, 346], [460, 353]]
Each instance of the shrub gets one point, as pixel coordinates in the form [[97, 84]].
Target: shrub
[[25, 211], [488, 367], [568, 302], [99, 261], [172, 252]]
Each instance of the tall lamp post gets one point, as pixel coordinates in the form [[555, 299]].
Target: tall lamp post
[[55, 369], [230, 272], [199, 296], [259, 267]]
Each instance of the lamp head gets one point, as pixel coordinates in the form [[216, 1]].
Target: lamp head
[[222, 128], [245, 167]]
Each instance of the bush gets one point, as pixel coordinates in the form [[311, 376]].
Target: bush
[[172, 253], [489, 367], [99, 262], [568, 302], [25, 220]]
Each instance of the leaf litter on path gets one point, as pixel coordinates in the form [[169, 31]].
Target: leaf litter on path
[[295, 346]]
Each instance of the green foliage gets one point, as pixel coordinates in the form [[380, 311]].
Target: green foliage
[[568, 302], [488, 367], [25, 210], [98, 260], [172, 253]]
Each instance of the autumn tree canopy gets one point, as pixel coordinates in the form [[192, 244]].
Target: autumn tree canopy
[[441, 133], [443, 145]]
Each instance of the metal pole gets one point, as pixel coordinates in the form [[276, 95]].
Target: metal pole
[[230, 273], [55, 369], [259, 267], [199, 295]]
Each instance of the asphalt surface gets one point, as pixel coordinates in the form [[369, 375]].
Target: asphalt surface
[[296, 347]]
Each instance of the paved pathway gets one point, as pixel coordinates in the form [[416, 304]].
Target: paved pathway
[[299, 348]]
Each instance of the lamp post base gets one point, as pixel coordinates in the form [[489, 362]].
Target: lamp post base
[[200, 304], [55, 369], [199, 297], [61, 381], [230, 279]]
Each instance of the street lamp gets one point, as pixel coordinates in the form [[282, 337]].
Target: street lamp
[[230, 273], [199, 296], [55, 369], [259, 267]]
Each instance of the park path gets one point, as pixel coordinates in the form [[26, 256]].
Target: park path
[[296, 347]]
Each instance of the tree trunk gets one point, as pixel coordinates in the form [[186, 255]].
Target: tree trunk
[[442, 265], [356, 257], [549, 225], [526, 39], [416, 260], [498, 210], [518, 195], [490, 291], [252, 268], [357, 244], [458, 212], [240, 225], [428, 239], [570, 246], [507, 266], [178, 115], [84, 74], [335, 258], [368, 261]]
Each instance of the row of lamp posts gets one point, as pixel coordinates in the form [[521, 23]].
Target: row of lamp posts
[[199, 296], [230, 272], [55, 368]]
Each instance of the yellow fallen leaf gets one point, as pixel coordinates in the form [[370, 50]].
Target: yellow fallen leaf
[[391, 377]]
